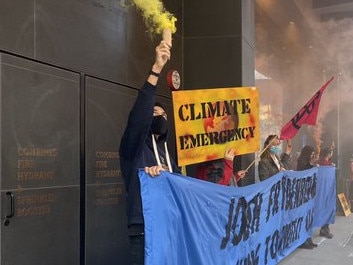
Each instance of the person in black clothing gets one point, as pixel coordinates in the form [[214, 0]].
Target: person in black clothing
[[325, 160], [305, 161], [143, 145], [306, 158]]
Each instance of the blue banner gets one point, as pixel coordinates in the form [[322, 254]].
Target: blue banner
[[194, 222]]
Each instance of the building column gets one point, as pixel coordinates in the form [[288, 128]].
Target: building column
[[219, 51]]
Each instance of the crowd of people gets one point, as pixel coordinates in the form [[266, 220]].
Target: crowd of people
[[144, 145]]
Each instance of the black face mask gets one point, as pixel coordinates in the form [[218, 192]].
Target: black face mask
[[159, 125]]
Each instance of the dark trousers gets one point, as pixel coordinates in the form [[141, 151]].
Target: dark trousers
[[137, 250]]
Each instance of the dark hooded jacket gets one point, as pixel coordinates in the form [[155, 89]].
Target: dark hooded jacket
[[136, 150]]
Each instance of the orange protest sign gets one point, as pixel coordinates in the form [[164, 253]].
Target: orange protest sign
[[207, 121]]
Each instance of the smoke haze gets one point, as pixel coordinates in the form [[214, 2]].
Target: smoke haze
[[299, 58]]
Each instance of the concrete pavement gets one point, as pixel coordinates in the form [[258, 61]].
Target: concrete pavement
[[335, 251]]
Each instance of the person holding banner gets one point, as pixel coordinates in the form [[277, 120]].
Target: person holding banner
[[220, 171], [306, 158], [271, 161], [143, 145], [325, 157], [325, 160], [305, 161]]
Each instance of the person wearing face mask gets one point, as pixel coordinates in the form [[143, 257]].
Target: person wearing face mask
[[271, 160], [144, 145]]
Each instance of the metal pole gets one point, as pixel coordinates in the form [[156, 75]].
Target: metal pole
[[338, 119]]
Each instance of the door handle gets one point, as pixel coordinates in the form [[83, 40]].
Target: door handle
[[12, 208], [12, 205]]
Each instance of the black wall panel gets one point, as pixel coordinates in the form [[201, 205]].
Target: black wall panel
[[89, 36], [17, 27], [107, 107], [39, 163]]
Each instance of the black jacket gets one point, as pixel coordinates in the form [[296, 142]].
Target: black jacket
[[267, 167], [136, 150]]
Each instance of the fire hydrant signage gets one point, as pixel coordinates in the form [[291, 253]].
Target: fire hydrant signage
[[208, 121]]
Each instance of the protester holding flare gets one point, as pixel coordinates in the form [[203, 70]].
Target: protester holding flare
[[143, 145]]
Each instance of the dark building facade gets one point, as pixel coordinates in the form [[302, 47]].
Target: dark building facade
[[69, 73]]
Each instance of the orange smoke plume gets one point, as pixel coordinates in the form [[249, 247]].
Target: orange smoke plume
[[317, 133], [156, 17]]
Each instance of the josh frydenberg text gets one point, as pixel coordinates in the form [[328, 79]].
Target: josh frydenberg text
[[219, 109], [246, 218]]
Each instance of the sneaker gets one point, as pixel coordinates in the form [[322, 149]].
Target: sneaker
[[326, 234]]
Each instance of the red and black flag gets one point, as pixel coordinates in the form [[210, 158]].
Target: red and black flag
[[306, 115]]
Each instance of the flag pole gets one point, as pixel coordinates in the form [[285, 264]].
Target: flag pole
[[259, 155]]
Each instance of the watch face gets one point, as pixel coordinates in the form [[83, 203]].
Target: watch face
[[175, 79]]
